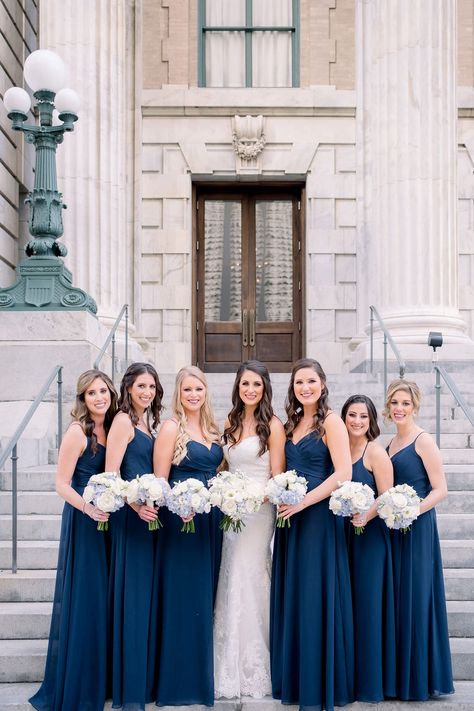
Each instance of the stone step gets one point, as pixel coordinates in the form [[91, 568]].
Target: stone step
[[457, 553], [32, 527], [25, 620], [458, 502], [451, 525], [461, 618], [459, 583], [27, 586], [459, 477], [32, 502], [458, 456], [30, 554], [41, 478]]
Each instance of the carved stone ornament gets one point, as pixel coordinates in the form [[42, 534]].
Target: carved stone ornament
[[248, 138]]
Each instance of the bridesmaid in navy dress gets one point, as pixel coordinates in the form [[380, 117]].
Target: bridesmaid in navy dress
[[311, 639], [188, 445], [424, 659], [131, 594], [75, 673], [370, 560]]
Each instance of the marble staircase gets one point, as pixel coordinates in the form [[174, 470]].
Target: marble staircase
[[25, 598]]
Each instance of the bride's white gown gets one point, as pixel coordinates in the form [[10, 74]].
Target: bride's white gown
[[241, 620]]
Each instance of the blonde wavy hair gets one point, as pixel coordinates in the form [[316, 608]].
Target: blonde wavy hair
[[406, 386], [207, 420]]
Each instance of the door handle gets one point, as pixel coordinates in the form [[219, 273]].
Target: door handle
[[245, 328], [252, 327]]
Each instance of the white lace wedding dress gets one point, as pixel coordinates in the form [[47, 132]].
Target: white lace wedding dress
[[241, 619]]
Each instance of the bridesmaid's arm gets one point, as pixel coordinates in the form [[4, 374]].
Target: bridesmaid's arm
[[73, 445], [163, 450], [276, 446], [337, 441], [120, 435], [379, 463], [427, 449]]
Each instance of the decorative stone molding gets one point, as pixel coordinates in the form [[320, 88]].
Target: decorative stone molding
[[248, 140]]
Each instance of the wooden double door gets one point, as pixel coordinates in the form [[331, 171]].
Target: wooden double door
[[248, 277]]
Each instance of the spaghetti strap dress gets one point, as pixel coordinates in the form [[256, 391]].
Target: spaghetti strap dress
[[311, 635], [75, 673], [187, 583], [423, 654], [131, 590], [370, 563]]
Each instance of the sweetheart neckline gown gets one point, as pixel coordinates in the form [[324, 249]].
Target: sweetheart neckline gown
[[241, 620], [423, 654], [370, 563], [75, 672], [311, 634], [186, 577]]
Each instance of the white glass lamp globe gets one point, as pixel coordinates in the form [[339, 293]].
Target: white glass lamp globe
[[45, 70], [16, 99], [67, 101]]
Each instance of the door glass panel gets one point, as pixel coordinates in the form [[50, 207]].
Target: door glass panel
[[274, 260], [222, 260]]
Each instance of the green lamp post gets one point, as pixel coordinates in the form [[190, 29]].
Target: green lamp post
[[44, 282]]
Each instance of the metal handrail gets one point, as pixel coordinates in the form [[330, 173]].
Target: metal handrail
[[387, 339], [466, 408], [12, 452], [111, 337]]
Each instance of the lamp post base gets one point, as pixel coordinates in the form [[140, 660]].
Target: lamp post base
[[45, 283]]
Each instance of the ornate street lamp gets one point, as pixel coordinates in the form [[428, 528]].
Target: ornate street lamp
[[44, 282]]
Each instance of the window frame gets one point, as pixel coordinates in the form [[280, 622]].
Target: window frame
[[249, 29]]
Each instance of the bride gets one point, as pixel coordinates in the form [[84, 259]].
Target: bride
[[254, 443]]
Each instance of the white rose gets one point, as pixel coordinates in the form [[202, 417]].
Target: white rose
[[106, 501], [132, 490], [335, 505], [360, 502], [390, 521], [385, 511], [88, 494], [399, 500], [195, 501]]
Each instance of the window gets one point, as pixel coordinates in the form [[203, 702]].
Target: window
[[248, 43]]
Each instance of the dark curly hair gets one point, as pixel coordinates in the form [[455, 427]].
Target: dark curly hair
[[374, 429], [263, 412], [293, 407], [125, 402], [81, 414]]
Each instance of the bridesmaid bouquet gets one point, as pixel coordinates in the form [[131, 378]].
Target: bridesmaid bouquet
[[236, 495], [286, 488], [187, 498], [107, 492], [399, 507], [150, 490], [351, 497]]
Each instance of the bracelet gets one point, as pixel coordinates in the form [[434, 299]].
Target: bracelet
[[84, 507]]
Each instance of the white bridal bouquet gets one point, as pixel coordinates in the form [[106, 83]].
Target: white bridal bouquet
[[107, 492], [236, 495], [351, 497], [187, 498], [399, 507], [286, 488], [150, 490]]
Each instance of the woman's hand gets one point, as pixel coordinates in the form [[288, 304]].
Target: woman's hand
[[359, 520], [96, 514], [286, 510], [147, 513], [187, 519]]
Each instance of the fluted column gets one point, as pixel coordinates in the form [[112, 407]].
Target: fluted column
[[91, 37], [406, 114]]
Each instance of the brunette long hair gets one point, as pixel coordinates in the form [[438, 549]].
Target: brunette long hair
[[263, 412], [293, 407], [125, 401], [81, 414], [374, 429]]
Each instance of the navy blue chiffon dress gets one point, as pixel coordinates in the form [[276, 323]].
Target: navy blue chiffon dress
[[131, 592], [370, 563], [188, 574], [311, 635], [423, 654], [75, 673]]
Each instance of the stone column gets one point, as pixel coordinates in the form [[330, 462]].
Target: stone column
[[406, 113], [94, 166]]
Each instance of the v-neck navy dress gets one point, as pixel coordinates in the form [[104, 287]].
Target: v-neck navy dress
[[187, 575], [311, 635], [75, 674], [370, 562], [423, 654], [131, 592]]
